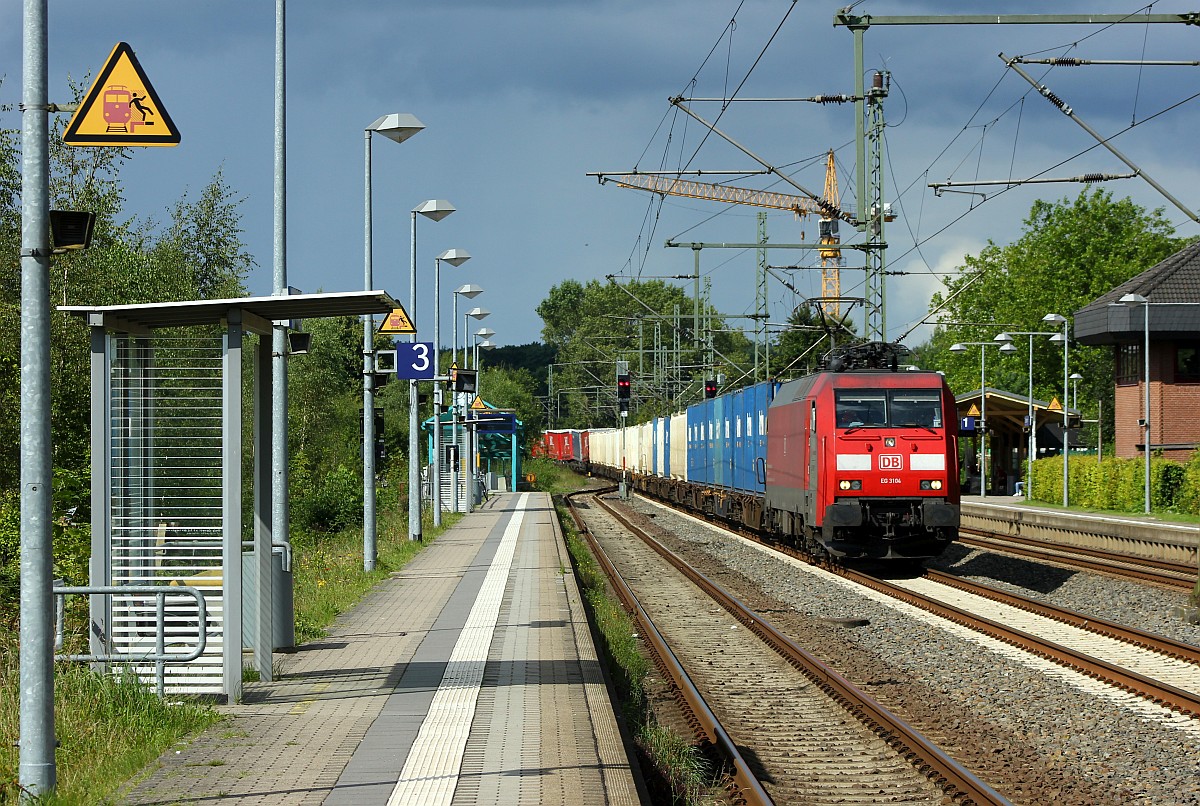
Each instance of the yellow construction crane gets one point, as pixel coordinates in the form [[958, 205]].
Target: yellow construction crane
[[831, 252], [828, 208]]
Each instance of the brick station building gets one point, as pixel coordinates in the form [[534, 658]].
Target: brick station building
[[1172, 289]]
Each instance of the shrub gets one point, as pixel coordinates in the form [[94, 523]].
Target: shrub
[[333, 503]]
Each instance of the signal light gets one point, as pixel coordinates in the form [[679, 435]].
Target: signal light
[[623, 388], [710, 387]]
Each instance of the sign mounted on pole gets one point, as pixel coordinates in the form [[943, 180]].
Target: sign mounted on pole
[[121, 109], [397, 323]]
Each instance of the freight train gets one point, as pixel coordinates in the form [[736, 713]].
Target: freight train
[[856, 461]]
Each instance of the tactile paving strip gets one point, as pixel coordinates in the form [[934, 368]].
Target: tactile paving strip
[[430, 773]]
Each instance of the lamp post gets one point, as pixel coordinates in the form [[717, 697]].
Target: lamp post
[[1133, 300], [436, 210], [1064, 337], [1075, 379], [483, 333], [1031, 444], [961, 347], [455, 257], [467, 291], [398, 128]]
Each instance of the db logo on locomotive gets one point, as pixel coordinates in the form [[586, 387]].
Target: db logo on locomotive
[[891, 461]]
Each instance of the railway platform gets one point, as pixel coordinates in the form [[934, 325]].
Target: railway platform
[[1136, 534], [469, 677]]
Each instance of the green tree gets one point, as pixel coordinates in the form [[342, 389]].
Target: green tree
[[593, 326], [1070, 252]]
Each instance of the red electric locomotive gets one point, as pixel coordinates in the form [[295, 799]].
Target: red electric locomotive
[[862, 459]]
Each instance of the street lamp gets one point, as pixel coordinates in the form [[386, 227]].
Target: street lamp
[[482, 337], [482, 333], [1031, 444], [455, 257], [1075, 379], [961, 347], [468, 291], [1064, 337], [398, 128], [1133, 300], [436, 210]]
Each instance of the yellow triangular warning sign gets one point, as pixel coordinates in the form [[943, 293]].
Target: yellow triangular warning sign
[[478, 404], [973, 411], [1055, 405], [121, 108], [397, 323]]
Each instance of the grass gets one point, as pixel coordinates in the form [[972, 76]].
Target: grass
[[683, 767], [110, 727]]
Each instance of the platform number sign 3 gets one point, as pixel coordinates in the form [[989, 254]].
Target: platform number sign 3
[[414, 360]]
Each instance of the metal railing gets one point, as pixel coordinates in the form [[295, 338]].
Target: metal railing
[[160, 657]]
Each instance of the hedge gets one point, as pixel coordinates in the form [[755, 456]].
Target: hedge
[[1119, 484]]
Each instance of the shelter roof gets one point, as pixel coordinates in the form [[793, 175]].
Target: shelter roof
[[262, 310], [1172, 286]]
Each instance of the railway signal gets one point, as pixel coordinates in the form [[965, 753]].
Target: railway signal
[[710, 387]]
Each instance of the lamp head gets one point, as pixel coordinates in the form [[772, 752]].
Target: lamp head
[[437, 209], [478, 313], [1058, 338], [1008, 347], [1075, 376], [486, 345], [1004, 337], [397, 127], [1133, 299], [469, 290], [485, 333], [455, 257], [1054, 318], [958, 348]]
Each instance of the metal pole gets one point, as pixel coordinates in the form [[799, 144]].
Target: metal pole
[[368, 447], [1066, 415], [37, 773], [983, 433], [437, 395], [280, 528], [454, 403], [414, 424], [1031, 443], [1146, 427]]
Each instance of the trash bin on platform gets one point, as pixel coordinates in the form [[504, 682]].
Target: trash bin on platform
[[282, 608]]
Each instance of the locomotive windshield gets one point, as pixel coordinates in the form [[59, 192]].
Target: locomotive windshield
[[895, 408]]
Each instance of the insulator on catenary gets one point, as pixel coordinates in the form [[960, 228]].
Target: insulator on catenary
[[1052, 98], [1065, 61], [832, 99], [1089, 178]]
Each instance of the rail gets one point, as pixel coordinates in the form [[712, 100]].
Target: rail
[[160, 657], [749, 788]]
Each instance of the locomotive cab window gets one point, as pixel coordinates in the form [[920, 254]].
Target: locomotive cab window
[[896, 408]]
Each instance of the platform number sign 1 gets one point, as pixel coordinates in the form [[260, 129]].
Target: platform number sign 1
[[414, 360]]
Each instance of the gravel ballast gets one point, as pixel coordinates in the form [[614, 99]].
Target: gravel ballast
[[1047, 732]]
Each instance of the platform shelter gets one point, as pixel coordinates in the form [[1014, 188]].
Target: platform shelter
[[1008, 437], [167, 410]]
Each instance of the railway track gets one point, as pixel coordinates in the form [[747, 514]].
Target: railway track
[[1152, 667], [1155, 668], [1159, 572], [812, 736]]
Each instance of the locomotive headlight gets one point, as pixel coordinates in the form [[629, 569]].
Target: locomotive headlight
[[931, 484], [889, 442], [850, 484]]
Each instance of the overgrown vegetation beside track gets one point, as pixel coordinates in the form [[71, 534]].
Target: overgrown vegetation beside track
[[682, 767]]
